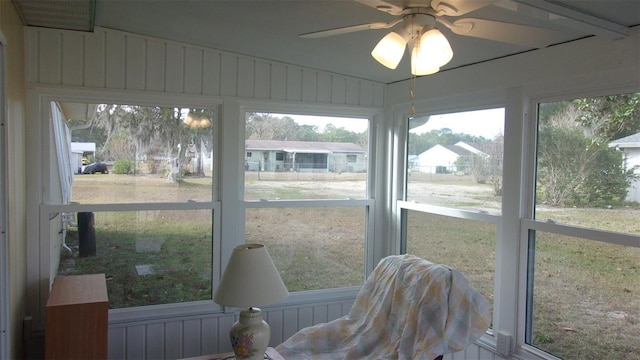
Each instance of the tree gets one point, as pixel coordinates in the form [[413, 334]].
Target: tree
[[573, 170], [419, 143], [332, 133], [140, 124], [610, 117], [269, 127], [575, 165], [201, 135], [608, 184], [496, 162], [108, 118]]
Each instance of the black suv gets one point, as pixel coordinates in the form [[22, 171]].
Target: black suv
[[96, 168]]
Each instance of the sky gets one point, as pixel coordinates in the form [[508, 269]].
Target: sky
[[486, 123], [357, 125]]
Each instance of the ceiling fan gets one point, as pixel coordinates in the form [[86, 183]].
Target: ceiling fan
[[415, 26]]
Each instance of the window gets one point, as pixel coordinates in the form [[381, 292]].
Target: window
[[314, 248], [467, 245], [303, 157], [142, 212], [584, 304], [455, 160], [453, 190], [148, 257], [305, 200], [588, 161], [583, 297], [152, 154]]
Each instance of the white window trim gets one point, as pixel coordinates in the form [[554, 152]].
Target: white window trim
[[38, 254], [5, 331], [539, 95], [503, 288], [369, 203]]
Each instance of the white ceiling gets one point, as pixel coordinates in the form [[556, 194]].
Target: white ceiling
[[269, 29]]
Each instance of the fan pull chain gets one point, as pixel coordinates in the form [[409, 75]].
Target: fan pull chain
[[412, 110], [412, 82]]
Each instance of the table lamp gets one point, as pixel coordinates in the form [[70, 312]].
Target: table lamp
[[249, 280]]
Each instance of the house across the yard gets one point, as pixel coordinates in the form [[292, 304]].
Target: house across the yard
[[630, 146], [309, 156], [441, 159]]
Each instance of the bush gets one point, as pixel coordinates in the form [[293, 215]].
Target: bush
[[123, 166], [573, 170]]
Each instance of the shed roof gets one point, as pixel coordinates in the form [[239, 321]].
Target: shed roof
[[631, 141], [83, 147], [458, 150]]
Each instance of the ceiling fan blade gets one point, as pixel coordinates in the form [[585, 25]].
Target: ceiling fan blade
[[349, 29], [458, 7], [384, 6], [504, 32]]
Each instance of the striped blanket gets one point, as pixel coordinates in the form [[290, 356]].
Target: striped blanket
[[408, 309]]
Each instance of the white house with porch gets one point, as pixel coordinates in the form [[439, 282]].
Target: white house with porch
[[305, 156]]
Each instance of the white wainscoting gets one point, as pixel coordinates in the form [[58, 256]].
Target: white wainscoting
[[208, 334], [174, 338], [110, 59]]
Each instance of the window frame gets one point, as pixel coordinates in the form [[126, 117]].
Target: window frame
[[4, 219], [369, 202], [39, 261], [486, 100], [529, 225]]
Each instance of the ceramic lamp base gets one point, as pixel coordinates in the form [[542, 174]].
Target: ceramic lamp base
[[250, 335]]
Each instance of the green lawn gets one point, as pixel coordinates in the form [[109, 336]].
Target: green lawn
[[586, 295]]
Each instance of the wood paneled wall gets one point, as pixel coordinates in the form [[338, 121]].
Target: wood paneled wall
[[207, 334], [112, 59], [202, 334]]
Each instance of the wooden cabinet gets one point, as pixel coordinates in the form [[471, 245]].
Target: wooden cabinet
[[77, 317]]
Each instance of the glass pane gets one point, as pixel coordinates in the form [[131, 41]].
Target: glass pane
[[588, 163], [126, 153], [466, 245], [455, 160], [313, 248], [148, 257], [585, 298], [305, 157]]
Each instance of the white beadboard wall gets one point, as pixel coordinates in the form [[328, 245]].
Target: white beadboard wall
[[114, 60], [206, 334]]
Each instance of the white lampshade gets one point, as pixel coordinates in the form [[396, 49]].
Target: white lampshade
[[250, 279], [390, 49], [430, 53]]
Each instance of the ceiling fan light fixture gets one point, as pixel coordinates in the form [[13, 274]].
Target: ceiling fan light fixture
[[419, 68], [432, 51], [390, 49]]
